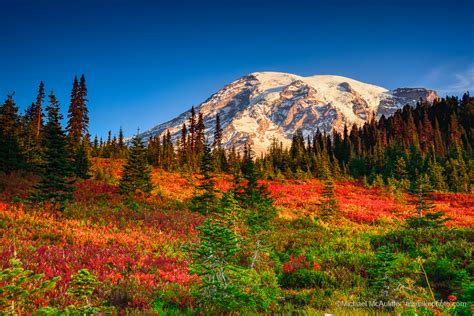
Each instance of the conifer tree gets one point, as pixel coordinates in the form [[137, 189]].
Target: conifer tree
[[218, 133], [155, 151], [19, 287], [95, 147], [455, 131], [438, 140], [329, 204], [32, 124], [114, 148], [297, 150], [200, 136], [122, 148], [30, 141], [78, 117], [410, 133], [109, 138], [74, 121], [136, 171], [400, 171], [230, 212], [255, 198], [192, 129], [36, 113], [249, 194], [168, 152], [11, 158], [458, 176], [83, 102], [82, 162], [233, 161], [436, 175], [183, 152], [56, 184], [220, 159], [380, 272], [324, 169], [215, 262], [426, 133], [423, 201], [336, 168], [82, 286], [204, 200]]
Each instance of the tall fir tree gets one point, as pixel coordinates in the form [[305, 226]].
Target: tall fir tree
[[82, 163], [154, 151], [329, 205], [425, 132], [455, 131], [136, 171], [30, 138], [438, 140], [56, 184], [11, 156], [83, 102], [122, 148], [183, 152], [458, 175], [215, 261], [36, 114], [38, 110], [422, 199], [96, 147], [218, 133], [436, 174], [400, 170], [220, 159], [192, 129], [74, 123], [252, 195], [205, 200], [78, 114], [200, 136]]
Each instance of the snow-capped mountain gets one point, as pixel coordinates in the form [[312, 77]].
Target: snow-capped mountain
[[265, 105]]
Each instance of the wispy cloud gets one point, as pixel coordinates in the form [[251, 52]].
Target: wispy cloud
[[449, 79], [464, 81]]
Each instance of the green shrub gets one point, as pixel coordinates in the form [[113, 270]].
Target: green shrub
[[82, 286], [466, 300], [445, 277], [19, 287], [410, 240], [173, 300], [305, 279]]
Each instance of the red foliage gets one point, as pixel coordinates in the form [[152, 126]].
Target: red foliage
[[136, 252], [367, 206], [299, 262]]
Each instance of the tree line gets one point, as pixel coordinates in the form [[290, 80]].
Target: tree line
[[434, 139]]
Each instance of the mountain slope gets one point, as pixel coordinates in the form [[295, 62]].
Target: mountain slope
[[266, 105]]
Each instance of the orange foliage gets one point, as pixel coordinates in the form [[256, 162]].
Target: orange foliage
[[362, 205]]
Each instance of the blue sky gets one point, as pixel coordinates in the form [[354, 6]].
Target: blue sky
[[147, 61]]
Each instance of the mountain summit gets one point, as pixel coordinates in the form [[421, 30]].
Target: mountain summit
[[265, 105]]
